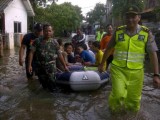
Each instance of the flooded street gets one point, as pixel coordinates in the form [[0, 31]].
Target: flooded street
[[23, 100]]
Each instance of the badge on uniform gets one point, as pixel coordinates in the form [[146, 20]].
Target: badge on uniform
[[141, 37], [121, 37]]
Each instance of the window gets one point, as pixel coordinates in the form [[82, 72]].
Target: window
[[17, 27]]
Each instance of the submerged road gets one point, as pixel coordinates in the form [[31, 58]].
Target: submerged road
[[23, 100]]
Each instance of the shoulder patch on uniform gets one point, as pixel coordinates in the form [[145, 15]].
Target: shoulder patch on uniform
[[141, 37], [145, 29], [121, 37], [121, 27]]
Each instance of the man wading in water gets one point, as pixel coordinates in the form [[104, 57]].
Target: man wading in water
[[127, 69], [46, 50]]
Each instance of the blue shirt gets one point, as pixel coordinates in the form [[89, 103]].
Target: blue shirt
[[87, 57]]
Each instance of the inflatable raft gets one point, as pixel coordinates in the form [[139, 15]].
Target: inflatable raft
[[82, 80]]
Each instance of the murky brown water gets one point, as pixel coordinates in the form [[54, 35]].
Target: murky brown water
[[23, 100]]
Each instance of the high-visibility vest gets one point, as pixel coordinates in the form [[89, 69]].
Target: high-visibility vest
[[99, 36], [130, 51]]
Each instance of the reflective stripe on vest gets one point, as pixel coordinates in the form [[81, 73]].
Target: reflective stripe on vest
[[129, 56], [130, 51]]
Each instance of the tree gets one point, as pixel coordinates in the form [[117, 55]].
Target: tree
[[119, 6], [42, 2], [157, 10], [62, 17], [96, 14]]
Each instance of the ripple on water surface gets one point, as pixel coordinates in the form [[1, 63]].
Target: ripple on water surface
[[26, 100]]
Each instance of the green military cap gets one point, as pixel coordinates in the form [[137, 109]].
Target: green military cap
[[133, 10]]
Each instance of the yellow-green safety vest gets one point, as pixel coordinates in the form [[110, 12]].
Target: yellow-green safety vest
[[99, 36], [130, 51]]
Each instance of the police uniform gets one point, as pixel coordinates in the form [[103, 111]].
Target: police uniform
[[127, 73]]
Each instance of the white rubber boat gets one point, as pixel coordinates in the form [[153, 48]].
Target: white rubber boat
[[82, 80]]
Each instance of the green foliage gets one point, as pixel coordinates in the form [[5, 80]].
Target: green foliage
[[157, 12], [96, 14], [119, 6], [62, 17], [41, 1], [157, 9]]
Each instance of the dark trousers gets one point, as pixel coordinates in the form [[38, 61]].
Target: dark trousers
[[45, 79]]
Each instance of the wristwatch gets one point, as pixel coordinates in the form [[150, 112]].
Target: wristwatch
[[156, 75]]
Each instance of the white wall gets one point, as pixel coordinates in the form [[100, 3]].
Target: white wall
[[15, 12]]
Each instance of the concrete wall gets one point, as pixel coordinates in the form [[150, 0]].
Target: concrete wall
[[14, 12]]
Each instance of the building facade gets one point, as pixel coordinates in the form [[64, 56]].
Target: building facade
[[13, 20]]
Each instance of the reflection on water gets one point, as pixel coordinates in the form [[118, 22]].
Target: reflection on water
[[26, 100]]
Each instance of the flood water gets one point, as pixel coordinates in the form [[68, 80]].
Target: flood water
[[23, 100]]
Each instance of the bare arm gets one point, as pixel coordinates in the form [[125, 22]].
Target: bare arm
[[107, 52], [64, 54], [61, 58], [21, 54], [152, 48], [154, 62], [31, 53]]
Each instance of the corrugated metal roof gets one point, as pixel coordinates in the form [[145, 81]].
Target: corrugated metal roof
[[27, 4], [4, 4]]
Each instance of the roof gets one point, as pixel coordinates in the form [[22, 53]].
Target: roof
[[4, 4], [27, 4], [28, 7]]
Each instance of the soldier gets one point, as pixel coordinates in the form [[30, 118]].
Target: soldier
[[127, 69], [46, 50]]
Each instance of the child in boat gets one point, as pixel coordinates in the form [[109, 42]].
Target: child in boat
[[86, 48], [99, 54], [73, 66], [90, 45], [68, 47], [85, 57]]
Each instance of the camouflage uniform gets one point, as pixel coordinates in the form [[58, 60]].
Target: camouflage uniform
[[46, 53]]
